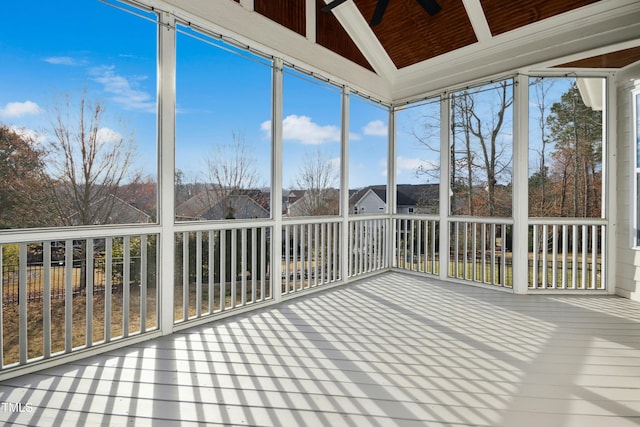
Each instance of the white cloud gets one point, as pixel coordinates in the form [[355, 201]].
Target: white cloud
[[123, 89], [383, 164], [266, 128], [19, 109], [413, 164], [376, 128], [63, 60], [303, 130], [106, 135], [335, 163], [29, 134]]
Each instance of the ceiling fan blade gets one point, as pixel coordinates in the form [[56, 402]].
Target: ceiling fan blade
[[431, 6], [379, 12], [329, 6]]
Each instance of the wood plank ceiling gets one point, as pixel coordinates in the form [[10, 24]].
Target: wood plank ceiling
[[409, 35]]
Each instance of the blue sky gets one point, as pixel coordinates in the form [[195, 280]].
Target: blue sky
[[64, 46]]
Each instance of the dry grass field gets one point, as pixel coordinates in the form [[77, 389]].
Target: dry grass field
[[115, 319]]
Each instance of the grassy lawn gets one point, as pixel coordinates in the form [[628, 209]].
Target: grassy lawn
[[204, 298], [466, 271], [116, 317], [35, 321]]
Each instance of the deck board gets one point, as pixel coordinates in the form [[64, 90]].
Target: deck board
[[394, 349]]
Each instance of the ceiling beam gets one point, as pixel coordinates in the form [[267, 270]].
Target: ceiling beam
[[360, 32], [310, 12], [597, 26], [265, 35], [478, 20]]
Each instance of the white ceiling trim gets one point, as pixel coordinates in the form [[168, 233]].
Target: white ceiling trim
[[478, 20], [360, 32], [247, 4], [569, 36], [545, 66], [310, 8], [247, 27]]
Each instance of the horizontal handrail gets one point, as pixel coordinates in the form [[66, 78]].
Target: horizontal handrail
[[567, 221], [481, 220], [75, 233], [311, 219]]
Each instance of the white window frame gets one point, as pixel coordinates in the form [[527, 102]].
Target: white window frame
[[635, 142]]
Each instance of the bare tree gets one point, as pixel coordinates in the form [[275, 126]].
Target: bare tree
[[231, 174], [426, 132], [89, 163], [317, 178], [487, 158], [539, 199]]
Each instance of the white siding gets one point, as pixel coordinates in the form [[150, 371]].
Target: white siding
[[370, 204], [627, 258]]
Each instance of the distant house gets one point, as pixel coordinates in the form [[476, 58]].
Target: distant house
[[122, 212], [216, 205], [314, 202], [419, 198]]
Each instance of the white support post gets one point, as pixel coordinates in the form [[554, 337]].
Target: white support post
[[344, 184], [610, 202], [520, 250], [277, 87], [166, 139], [445, 188], [23, 298], [392, 208]]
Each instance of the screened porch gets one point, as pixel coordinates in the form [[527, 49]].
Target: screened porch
[[289, 223]]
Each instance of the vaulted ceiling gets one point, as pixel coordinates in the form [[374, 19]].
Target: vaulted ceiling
[[411, 53]]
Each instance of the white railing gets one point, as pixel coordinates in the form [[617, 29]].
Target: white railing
[[63, 296], [481, 251], [221, 268], [567, 254], [367, 245], [70, 292], [417, 243], [310, 253]]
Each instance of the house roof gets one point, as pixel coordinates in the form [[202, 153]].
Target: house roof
[[208, 204], [407, 194], [122, 212], [411, 52]]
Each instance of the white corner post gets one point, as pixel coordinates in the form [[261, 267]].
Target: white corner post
[[345, 268], [392, 208], [445, 186], [166, 150], [277, 88], [610, 195], [520, 250]]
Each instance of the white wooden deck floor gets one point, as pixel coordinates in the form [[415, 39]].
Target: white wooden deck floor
[[391, 350]]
